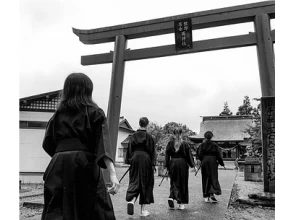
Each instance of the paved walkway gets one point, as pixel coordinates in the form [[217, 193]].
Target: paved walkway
[[196, 209]]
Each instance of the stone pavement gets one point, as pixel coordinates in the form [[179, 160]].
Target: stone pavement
[[196, 209]]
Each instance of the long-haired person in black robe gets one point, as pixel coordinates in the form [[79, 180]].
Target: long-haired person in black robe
[[209, 154], [141, 156], [178, 158], [77, 139]]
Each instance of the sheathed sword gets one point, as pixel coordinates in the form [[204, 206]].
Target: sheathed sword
[[197, 170], [125, 174], [165, 175]]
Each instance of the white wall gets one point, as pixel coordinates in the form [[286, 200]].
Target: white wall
[[34, 178], [34, 116], [32, 156]]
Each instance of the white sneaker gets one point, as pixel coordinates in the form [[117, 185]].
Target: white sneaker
[[213, 199], [145, 213], [207, 199], [181, 206]]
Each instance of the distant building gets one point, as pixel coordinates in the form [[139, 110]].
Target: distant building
[[124, 133], [229, 133], [34, 113]]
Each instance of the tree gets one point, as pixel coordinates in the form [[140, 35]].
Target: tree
[[155, 130], [157, 133], [246, 108], [171, 126], [162, 135], [226, 110]]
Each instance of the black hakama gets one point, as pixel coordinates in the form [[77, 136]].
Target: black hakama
[[209, 154], [141, 157], [177, 164], [74, 187]]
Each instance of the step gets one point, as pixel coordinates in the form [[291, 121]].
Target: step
[[37, 203]]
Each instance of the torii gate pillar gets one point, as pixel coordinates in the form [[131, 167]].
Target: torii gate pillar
[[266, 63], [115, 95]]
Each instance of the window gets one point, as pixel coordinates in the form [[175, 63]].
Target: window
[[33, 124], [120, 152], [23, 124], [229, 154]]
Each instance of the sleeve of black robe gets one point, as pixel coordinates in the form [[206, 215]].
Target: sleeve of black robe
[[151, 149], [189, 156], [200, 152], [102, 138], [219, 155], [129, 152], [167, 155], [49, 143], [197, 152]]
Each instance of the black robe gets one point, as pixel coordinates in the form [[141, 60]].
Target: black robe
[[209, 154], [177, 164], [141, 156], [74, 187]]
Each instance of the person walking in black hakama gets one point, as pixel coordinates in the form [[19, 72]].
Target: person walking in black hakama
[[178, 158], [78, 141], [209, 154], [141, 156]]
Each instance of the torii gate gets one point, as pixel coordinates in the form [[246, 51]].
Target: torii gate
[[260, 13]]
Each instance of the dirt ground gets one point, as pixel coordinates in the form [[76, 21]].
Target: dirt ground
[[28, 192], [24, 212]]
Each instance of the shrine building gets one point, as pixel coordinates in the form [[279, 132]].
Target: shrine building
[[229, 133]]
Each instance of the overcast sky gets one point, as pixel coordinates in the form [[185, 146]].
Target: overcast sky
[[176, 88]]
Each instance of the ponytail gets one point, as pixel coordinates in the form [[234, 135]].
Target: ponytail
[[178, 138]]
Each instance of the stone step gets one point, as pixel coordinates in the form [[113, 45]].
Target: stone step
[[265, 196], [25, 195], [255, 202], [37, 203], [36, 217]]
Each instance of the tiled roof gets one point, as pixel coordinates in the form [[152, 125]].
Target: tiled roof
[[126, 141], [45, 102], [124, 124], [225, 128]]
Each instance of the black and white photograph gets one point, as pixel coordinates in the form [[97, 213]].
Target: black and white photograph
[[159, 110]]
